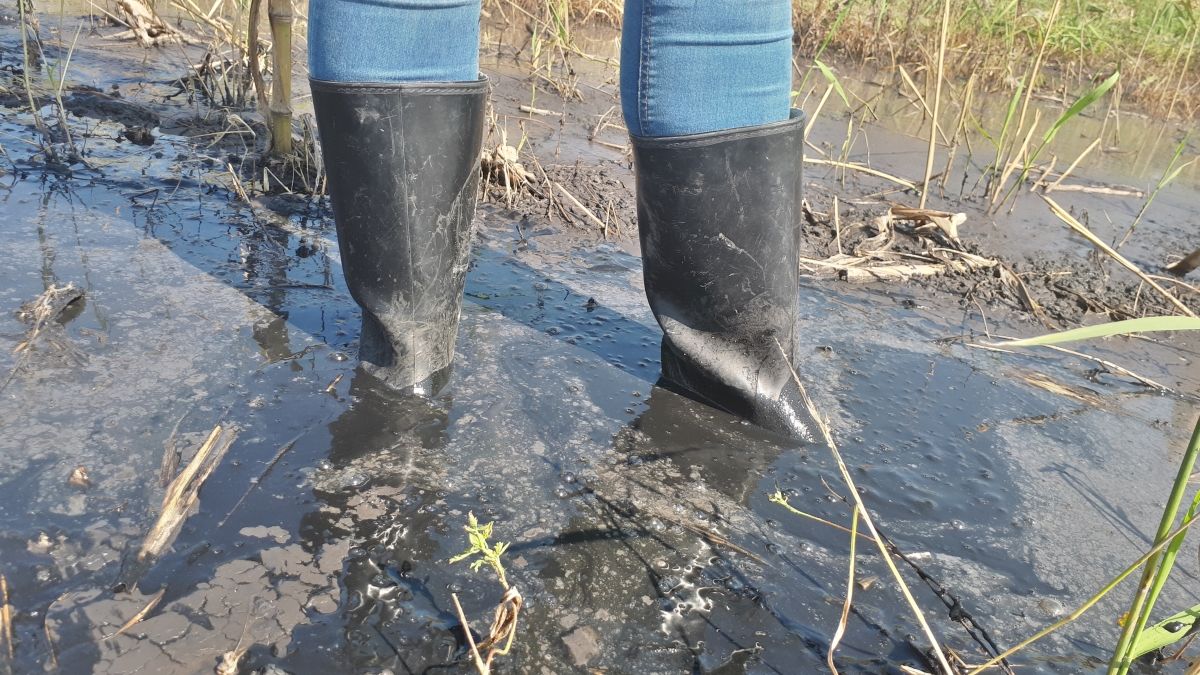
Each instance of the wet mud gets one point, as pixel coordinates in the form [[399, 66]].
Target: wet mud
[[641, 532]]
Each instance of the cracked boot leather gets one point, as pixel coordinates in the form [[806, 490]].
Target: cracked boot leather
[[719, 222], [403, 168]]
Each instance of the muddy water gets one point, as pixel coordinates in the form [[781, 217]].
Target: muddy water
[[641, 535]]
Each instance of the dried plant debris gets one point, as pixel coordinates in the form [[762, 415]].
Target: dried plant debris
[[141, 614], [931, 249], [901, 244], [80, 478], [183, 494], [147, 27], [6, 627], [43, 312], [588, 197], [1075, 393]]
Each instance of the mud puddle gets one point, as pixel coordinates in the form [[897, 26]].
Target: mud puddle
[[641, 533]]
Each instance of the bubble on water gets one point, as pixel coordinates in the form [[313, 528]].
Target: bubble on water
[[568, 477], [561, 492]]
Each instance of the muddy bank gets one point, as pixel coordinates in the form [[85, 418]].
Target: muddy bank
[[642, 537]]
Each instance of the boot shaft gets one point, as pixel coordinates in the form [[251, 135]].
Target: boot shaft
[[403, 177]]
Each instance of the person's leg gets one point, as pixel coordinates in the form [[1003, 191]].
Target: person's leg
[[691, 66], [400, 110], [393, 40], [705, 88]]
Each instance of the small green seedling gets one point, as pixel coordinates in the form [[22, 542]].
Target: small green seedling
[[478, 536]]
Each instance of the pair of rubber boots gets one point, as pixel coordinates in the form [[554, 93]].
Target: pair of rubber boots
[[718, 218]]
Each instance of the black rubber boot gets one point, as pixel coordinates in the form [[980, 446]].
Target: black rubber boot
[[402, 162], [719, 222]]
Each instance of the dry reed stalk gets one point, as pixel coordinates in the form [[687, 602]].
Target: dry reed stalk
[[256, 76], [183, 493], [1092, 146], [237, 184], [861, 508], [6, 627], [937, 101], [1016, 160], [270, 465], [837, 225], [960, 129], [586, 211], [538, 111], [812, 118], [279, 12], [1108, 365], [1101, 190], [462, 619], [1041, 180], [1108, 250], [862, 169], [137, 618], [1037, 66], [921, 99]]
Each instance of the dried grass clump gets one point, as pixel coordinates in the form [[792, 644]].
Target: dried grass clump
[[879, 256], [44, 309]]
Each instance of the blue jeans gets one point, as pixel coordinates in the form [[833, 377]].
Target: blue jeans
[[687, 66]]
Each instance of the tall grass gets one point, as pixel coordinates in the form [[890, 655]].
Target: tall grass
[[1152, 41]]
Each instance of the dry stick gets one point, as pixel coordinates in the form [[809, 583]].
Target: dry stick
[[1176, 282], [1090, 602], [1037, 67], [1101, 190], [258, 481], [586, 211], [136, 618], [1017, 159], [538, 111], [184, 492], [1041, 180], [959, 130], [862, 169], [841, 628], [1074, 164], [924, 106], [823, 426], [937, 101], [812, 119], [1120, 370], [837, 224], [462, 617], [951, 601], [1099, 243], [6, 612]]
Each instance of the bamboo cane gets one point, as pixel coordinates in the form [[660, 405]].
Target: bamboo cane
[[279, 12]]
